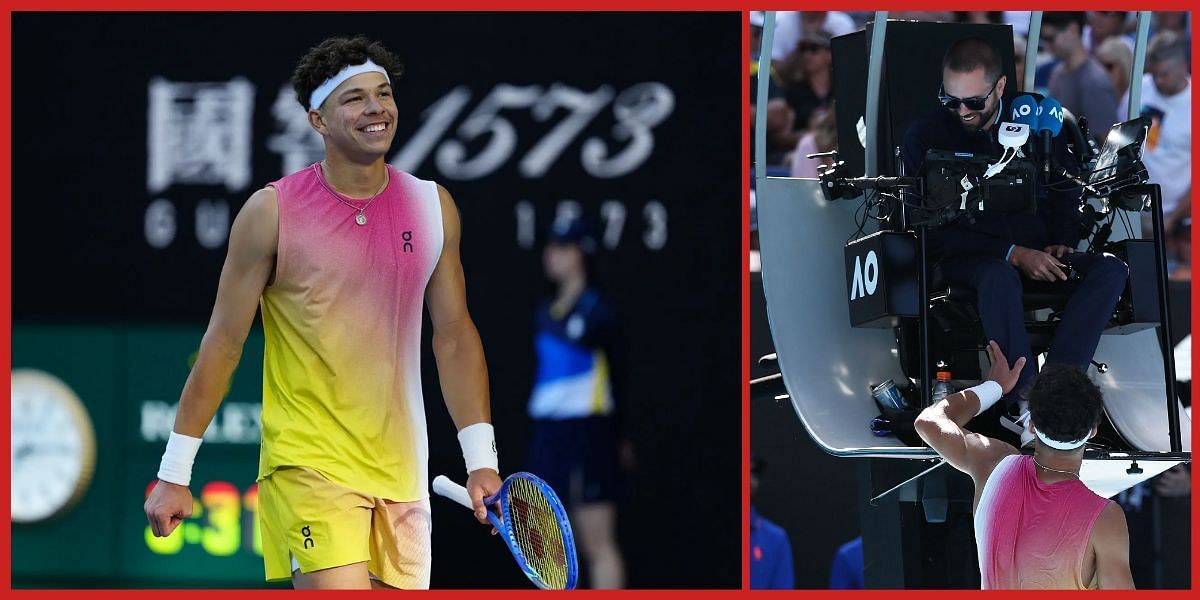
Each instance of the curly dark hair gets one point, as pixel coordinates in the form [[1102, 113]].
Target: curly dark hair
[[1064, 403], [332, 55]]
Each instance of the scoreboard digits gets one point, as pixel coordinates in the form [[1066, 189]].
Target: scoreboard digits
[[223, 522]]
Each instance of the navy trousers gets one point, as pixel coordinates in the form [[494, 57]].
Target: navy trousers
[[999, 286]]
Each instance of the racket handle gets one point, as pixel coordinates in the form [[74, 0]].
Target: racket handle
[[444, 487]]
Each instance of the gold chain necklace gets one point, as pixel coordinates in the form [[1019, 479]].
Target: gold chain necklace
[[1072, 473], [361, 217]]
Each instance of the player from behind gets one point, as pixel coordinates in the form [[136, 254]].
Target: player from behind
[[340, 256], [1037, 526]]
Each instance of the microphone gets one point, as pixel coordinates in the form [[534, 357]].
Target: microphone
[[1025, 111], [1050, 121]]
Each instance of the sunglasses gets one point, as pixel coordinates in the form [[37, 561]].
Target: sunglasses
[[974, 103], [810, 47]]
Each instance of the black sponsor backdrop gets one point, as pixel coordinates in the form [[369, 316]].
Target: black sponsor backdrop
[[82, 253]]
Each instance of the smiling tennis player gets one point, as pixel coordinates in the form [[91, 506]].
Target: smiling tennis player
[[340, 256]]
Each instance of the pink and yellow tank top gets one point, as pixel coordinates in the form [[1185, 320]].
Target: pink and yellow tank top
[[342, 326], [1033, 535]]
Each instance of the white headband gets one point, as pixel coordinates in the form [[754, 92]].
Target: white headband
[[1057, 445], [325, 89]]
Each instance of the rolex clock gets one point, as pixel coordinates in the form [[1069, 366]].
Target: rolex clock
[[53, 446]]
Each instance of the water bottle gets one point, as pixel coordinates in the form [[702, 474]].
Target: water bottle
[[941, 388]]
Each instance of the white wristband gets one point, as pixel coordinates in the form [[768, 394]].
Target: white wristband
[[988, 393], [176, 466], [478, 443]]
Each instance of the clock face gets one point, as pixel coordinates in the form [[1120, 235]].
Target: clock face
[[53, 446]]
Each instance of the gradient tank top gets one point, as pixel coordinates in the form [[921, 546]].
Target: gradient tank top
[[1033, 535], [342, 327]]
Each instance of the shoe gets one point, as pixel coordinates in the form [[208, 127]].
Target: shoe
[[1026, 432], [1011, 423], [1019, 426]]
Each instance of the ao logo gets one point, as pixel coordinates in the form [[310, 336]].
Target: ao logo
[[866, 276], [1022, 110]]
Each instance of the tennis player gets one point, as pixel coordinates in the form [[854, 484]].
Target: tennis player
[[1037, 526], [339, 256]]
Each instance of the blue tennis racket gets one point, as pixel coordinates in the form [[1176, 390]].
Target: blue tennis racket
[[534, 525]]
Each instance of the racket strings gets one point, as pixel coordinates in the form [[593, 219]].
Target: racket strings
[[537, 532]]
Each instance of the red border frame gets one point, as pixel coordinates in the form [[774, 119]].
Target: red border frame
[[745, 289]]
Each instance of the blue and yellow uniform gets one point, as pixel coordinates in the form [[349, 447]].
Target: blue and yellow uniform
[[572, 406]]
